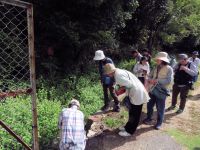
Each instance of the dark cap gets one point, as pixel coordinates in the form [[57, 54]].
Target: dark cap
[[182, 56]]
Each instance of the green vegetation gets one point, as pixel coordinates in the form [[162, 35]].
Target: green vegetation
[[190, 141], [117, 120], [75, 29], [16, 112], [52, 97]]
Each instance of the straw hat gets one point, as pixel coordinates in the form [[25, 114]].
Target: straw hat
[[99, 55], [74, 102], [162, 56], [109, 68]]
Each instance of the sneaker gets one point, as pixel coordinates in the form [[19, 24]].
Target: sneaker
[[124, 133], [179, 111], [105, 108], [157, 127], [116, 109], [147, 121], [170, 108], [121, 128]]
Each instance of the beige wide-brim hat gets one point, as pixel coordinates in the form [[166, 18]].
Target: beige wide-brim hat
[[75, 102], [99, 55], [109, 68], [162, 56]]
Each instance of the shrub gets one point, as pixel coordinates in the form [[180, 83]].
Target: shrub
[[127, 64], [17, 114]]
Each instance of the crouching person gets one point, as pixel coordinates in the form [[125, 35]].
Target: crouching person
[[71, 125], [137, 95]]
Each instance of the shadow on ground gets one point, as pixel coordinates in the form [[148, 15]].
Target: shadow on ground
[[111, 139], [194, 97]]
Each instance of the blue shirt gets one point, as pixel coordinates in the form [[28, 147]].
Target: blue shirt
[[102, 63]]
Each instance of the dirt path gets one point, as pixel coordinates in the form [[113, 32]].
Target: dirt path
[[146, 138]]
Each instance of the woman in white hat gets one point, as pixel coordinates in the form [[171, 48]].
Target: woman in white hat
[[162, 74], [136, 93], [107, 82]]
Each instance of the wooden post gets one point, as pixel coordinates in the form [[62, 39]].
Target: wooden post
[[32, 76]]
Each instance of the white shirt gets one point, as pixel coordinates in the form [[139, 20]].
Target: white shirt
[[136, 90], [196, 61], [138, 67]]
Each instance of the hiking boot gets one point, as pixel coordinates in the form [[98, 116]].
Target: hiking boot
[[147, 121], [116, 109], [170, 108], [105, 108], [179, 111]]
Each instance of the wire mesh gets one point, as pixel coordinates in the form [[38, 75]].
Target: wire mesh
[[14, 54], [14, 71]]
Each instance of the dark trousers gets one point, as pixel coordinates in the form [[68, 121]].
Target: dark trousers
[[183, 95], [112, 93], [160, 106], [134, 118], [142, 79]]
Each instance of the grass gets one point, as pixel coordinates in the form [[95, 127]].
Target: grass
[[192, 142], [117, 120]]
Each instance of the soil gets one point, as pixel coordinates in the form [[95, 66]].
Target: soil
[[146, 138]]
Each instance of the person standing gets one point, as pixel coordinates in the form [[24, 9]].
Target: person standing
[[107, 82], [147, 54], [162, 75], [71, 125], [136, 55], [196, 62], [183, 77], [142, 69], [137, 95]]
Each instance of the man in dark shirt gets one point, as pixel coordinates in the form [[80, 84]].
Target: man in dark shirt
[[107, 82], [184, 73]]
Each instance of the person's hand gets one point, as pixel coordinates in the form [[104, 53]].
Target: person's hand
[[153, 81], [184, 68], [140, 71]]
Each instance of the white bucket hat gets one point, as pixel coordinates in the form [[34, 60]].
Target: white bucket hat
[[75, 102], [163, 56], [109, 68], [99, 55]]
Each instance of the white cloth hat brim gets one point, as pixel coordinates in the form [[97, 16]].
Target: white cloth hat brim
[[163, 59], [99, 58]]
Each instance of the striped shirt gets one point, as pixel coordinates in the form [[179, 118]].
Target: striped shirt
[[72, 133]]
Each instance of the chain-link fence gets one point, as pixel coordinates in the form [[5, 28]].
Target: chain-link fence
[[17, 69], [14, 53]]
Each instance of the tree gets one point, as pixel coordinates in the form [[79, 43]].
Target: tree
[[148, 20], [184, 22], [75, 28]]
